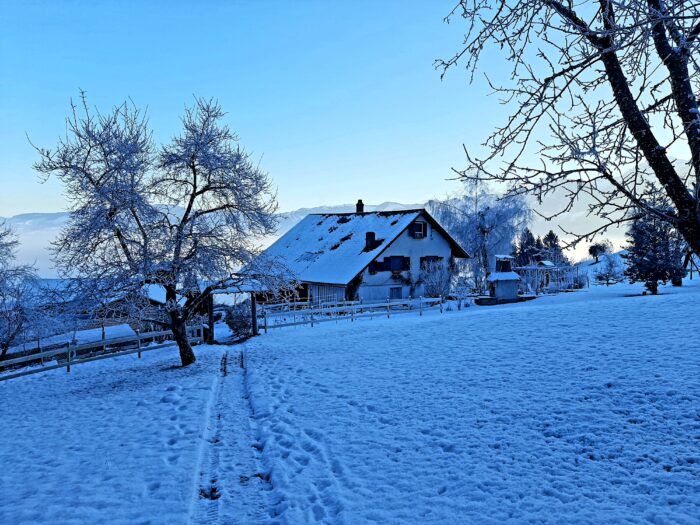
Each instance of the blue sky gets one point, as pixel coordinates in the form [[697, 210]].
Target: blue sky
[[339, 99]]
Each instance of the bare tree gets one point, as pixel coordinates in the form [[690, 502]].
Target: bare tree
[[17, 290], [182, 217], [600, 91], [611, 270], [484, 224], [436, 278]]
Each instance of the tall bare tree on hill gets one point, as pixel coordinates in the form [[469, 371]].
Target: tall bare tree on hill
[[600, 91]]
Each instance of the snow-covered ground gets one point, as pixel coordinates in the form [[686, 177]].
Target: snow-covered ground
[[584, 407], [127, 441]]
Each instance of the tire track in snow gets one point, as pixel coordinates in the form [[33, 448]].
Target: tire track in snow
[[205, 505], [231, 487]]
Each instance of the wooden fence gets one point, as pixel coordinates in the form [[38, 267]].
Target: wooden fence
[[290, 314], [72, 355]]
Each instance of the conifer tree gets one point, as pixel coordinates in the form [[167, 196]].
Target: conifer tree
[[552, 249], [655, 252], [527, 250]]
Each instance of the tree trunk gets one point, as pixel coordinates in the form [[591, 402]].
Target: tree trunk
[[653, 287], [688, 223], [179, 329]]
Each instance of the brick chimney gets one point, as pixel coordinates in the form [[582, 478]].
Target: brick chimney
[[360, 207]]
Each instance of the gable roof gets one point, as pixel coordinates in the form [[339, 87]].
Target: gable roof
[[330, 247]]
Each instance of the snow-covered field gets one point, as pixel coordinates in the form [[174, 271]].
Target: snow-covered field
[[583, 407], [577, 408], [124, 441]]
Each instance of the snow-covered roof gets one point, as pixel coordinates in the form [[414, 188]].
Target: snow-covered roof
[[548, 264], [509, 257], [503, 276], [330, 248], [247, 286]]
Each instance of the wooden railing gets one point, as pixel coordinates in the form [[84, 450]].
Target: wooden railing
[[71, 355]]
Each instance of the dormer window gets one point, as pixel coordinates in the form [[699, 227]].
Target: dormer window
[[419, 230]]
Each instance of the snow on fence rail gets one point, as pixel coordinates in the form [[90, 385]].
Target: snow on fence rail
[[288, 314], [77, 354]]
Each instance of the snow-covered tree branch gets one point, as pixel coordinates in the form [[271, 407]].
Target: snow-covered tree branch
[[601, 93]]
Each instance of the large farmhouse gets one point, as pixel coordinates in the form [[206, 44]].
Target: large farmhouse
[[368, 256]]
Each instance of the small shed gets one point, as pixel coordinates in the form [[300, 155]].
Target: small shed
[[504, 282]]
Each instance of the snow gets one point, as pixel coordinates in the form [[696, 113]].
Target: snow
[[503, 276], [590, 267], [114, 440], [79, 337], [576, 408]]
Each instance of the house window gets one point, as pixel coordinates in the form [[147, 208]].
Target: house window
[[397, 263], [395, 292], [418, 230], [428, 260], [376, 266]]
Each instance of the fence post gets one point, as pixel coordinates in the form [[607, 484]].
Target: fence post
[[265, 318], [254, 313], [352, 313], [68, 359], [104, 347], [440, 303], [420, 305], [312, 319], [387, 308], [138, 340]]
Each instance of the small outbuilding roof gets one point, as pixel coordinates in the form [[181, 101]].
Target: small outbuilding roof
[[502, 276]]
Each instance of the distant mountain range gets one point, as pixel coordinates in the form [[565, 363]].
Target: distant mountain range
[[36, 231]]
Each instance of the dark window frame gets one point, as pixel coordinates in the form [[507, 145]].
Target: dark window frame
[[419, 230]]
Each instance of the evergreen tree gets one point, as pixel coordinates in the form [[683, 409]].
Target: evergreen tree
[[527, 250], [655, 252], [539, 249], [552, 249]]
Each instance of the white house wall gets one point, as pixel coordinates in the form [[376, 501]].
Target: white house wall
[[376, 287]]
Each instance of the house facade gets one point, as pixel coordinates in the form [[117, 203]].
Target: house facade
[[367, 256]]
